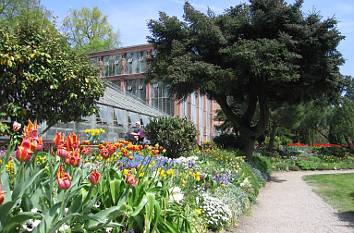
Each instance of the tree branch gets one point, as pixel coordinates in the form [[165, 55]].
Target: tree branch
[[50, 124]]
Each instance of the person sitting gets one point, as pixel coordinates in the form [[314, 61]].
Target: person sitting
[[138, 132]]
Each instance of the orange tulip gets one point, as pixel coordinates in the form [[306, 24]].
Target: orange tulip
[[63, 178], [58, 139], [94, 177], [72, 141], [30, 130], [23, 154], [75, 158]]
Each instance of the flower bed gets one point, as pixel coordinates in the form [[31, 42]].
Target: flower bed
[[120, 187]]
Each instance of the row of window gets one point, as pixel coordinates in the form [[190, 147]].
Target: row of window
[[160, 96], [127, 63]]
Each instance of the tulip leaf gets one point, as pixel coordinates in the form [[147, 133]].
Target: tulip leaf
[[20, 218], [115, 190]]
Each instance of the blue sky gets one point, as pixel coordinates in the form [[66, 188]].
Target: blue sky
[[129, 17]]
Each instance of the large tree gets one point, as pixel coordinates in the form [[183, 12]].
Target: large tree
[[89, 30], [42, 77], [253, 56]]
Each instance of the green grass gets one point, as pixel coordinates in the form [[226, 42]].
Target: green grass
[[336, 189]]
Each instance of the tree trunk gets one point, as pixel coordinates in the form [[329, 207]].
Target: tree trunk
[[350, 143], [248, 131], [247, 143], [271, 138]]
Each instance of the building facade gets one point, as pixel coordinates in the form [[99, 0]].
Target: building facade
[[126, 67]]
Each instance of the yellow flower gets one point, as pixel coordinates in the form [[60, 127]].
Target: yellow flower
[[197, 176], [198, 211], [141, 174], [162, 173], [10, 167], [170, 172], [125, 172], [184, 182]]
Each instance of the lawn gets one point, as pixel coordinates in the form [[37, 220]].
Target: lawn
[[336, 189]]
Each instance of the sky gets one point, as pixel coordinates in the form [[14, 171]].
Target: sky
[[129, 17]]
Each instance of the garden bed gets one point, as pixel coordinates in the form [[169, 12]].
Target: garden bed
[[121, 187]]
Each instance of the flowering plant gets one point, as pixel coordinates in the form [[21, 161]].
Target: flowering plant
[[94, 135]]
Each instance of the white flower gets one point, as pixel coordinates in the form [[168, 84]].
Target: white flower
[[176, 194], [109, 229], [30, 224], [34, 210], [64, 228], [97, 205]]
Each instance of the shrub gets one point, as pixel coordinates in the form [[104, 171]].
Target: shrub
[[176, 135], [227, 141], [262, 163], [334, 151]]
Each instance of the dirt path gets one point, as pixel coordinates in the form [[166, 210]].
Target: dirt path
[[288, 205]]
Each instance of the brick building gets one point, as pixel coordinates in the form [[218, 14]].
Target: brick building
[[126, 67]]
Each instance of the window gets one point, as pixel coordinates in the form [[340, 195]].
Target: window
[[111, 65], [161, 99], [136, 87]]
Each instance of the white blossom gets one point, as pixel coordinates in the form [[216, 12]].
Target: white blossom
[[176, 194]]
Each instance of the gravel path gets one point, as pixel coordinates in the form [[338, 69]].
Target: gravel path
[[288, 205]]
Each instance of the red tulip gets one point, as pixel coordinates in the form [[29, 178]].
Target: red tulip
[[86, 150], [62, 152], [94, 177], [2, 195], [58, 139], [131, 180], [104, 153], [39, 144], [63, 178], [23, 154]]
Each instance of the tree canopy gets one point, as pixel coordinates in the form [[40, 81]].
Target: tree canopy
[[255, 55], [89, 30], [41, 77]]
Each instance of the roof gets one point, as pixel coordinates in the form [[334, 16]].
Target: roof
[[115, 98], [133, 48]]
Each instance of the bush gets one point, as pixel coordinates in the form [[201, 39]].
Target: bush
[[262, 163], [340, 152], [227, 141], [176, 135]]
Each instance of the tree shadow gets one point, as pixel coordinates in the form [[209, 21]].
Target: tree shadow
[[347, 217], [276, 179]]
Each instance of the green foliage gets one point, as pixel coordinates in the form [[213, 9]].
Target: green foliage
[[175, 134], [340, 152], [227, 141], [9, 9], [261, 163], [41, 77], [311, 163], [89, 30], [252, 57], [342, 123]]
